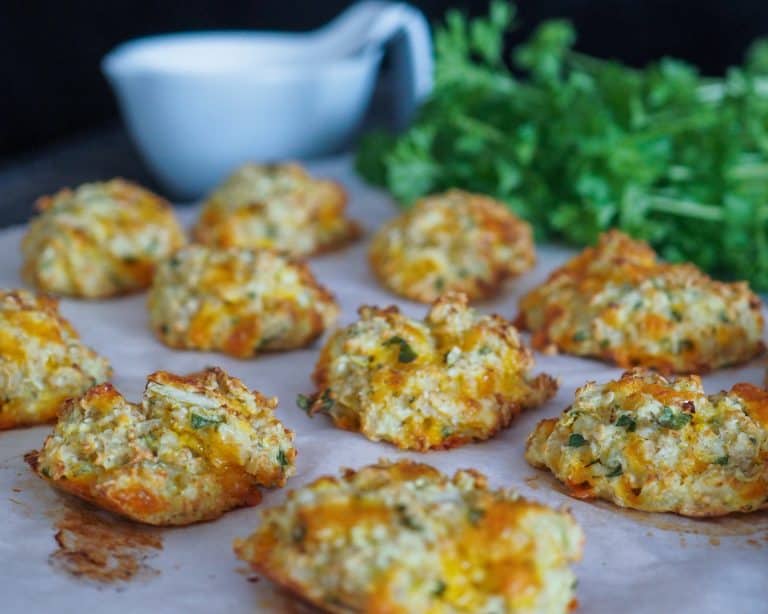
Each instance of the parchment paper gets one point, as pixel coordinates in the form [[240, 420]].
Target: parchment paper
[[633, 562]]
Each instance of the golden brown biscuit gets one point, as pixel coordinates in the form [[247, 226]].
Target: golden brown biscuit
[[660, 445], [42, 360], [237, 301], [100, 240], [194, 448], [453, 378], [402, 537], [278, 206], [454, 241], [617, 302]]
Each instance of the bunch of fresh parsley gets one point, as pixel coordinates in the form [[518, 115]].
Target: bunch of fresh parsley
[[576, 144]]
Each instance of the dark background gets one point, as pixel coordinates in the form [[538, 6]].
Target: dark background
[[50, 51]]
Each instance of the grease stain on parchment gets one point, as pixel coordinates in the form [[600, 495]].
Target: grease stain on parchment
[[91, 545], [95, 547]]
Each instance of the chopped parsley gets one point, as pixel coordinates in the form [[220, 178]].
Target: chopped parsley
[[326, 401], [615, 472], [580, 335], [576, 441], [484, 350], [265, 341], [406, 520], [627, 422], [722, 460], [200, 422], [304, 402], [451, 356], [282, 459], [152, 246], [439, 589], [671, 419], [150, 441], [298, 533], [406, 353], [475, 515]]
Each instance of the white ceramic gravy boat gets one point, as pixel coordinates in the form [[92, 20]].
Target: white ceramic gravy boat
[[199, 104]]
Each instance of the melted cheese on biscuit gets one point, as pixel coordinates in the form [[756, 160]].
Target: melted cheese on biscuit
[[276, 206], [237, 301], [660, 445], [42, 360], [455, 377], [195, 447], [455, 241], [618, 302], [100, 240], [402, 537]]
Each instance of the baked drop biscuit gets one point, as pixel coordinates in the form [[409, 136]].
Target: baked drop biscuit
[[277, 206], [403, 537], [618, 302], [42, 360], [193, 448], [455, 377], [660, 445], [237, 301], [454, 241], [103, 239]]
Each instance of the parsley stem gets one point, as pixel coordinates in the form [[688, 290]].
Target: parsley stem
[[685, 208]]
